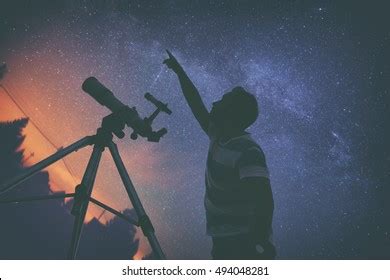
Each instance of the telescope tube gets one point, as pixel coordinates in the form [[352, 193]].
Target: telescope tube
[[102, 94]]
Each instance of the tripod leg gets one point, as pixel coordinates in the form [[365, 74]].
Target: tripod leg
[[144, 220], [113, 211], [87, 185], [45, 163], [37, 198]]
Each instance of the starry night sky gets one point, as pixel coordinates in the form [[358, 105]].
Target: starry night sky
[[319, 70]]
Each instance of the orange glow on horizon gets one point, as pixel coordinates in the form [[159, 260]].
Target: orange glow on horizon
[[139, 255], [59, 178]]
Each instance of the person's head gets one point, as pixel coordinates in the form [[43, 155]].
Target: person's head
[[236, 111]]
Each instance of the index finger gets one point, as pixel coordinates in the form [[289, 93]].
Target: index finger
[[169, 54]]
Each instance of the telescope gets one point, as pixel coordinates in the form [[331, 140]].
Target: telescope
[[112, 124], [127, 115]]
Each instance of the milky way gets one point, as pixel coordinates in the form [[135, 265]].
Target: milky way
[[317, 71]]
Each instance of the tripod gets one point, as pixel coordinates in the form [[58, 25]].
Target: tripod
[[111, 124]]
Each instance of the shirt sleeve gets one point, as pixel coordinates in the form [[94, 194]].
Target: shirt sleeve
[[252, 164]]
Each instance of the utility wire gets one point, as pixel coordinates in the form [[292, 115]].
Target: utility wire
[[101, 215], [37, 128]]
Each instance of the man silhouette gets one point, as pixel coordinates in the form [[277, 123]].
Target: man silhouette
[[238, 199]]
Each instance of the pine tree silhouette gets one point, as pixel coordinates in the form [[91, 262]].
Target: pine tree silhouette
[[10, 140], [42, 230]]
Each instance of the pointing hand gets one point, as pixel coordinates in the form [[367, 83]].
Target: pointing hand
[[172, 62]]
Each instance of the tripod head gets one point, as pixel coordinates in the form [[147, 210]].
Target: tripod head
[[124, 115]]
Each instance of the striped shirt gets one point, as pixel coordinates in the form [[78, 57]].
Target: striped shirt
[[228, 211]]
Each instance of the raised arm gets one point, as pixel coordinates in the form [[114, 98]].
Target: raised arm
[[190, 92]]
